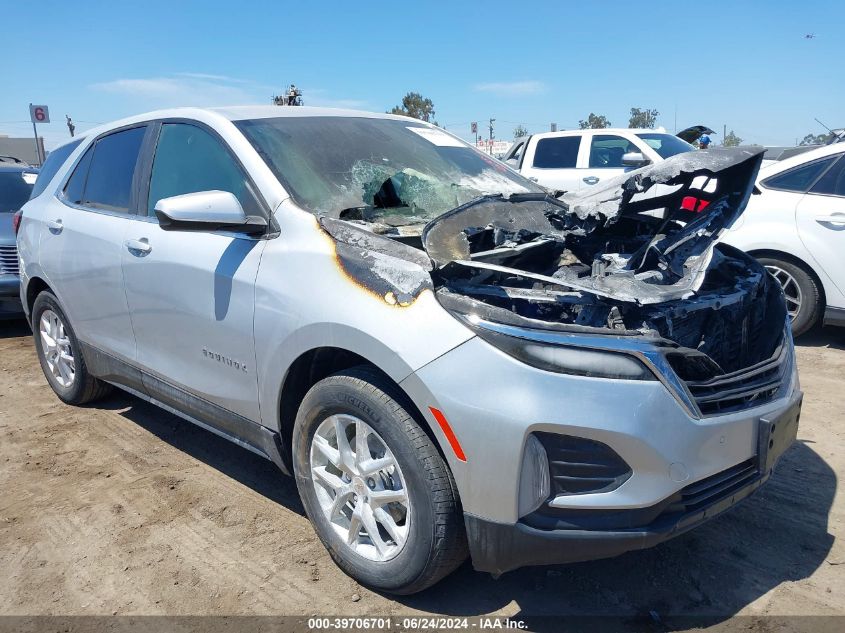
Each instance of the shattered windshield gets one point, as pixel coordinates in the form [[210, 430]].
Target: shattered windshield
[[388, 171]]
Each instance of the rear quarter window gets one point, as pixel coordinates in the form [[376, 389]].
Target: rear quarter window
[[51, 166]]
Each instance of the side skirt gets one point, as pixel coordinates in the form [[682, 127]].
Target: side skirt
[[834, 316], [244, 432]]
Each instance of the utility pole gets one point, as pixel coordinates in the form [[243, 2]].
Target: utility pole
[[724, 132], [491, 135]]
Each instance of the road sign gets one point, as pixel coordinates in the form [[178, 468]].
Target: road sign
[[473, 127], [39, 113]]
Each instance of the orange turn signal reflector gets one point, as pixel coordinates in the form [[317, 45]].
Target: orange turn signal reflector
[[449, 433]]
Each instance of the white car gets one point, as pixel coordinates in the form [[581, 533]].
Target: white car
[[577, 159], [796, 228]]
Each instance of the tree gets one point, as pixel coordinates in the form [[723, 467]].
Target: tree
[[594, 122], [416, 106], [643, 118], [815, 139], [731, 140], [519, 131]]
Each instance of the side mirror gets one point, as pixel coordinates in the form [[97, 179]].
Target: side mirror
[[513, 163], [635, 159], [207, 211]]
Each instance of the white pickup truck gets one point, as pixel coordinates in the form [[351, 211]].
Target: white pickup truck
[[572, 160]]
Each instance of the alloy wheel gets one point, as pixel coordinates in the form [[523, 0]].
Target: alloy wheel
[[57, 349], [360, 487], [791, 289]]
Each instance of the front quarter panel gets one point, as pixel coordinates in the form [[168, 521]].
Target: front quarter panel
[[307, 297]]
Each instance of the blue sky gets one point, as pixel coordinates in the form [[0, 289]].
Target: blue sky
[[743, 64]]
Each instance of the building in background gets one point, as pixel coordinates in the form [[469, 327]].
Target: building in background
[[22, 148], [494, 147]]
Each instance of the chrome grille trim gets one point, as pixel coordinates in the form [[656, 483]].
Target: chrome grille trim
[[746, 388], [9, 260]]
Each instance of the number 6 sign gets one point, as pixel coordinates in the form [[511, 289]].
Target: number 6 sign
[[39, 113]]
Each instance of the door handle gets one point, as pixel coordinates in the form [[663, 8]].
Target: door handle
[[532, 178], [591, 180], [138, 247], [833, 218], [55, 226]]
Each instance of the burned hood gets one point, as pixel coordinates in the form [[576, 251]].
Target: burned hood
[[646, 236]]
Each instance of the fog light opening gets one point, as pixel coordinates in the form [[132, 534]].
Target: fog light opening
[[534, 484]]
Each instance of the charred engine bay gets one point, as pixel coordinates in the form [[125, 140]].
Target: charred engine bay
[[636, 256]]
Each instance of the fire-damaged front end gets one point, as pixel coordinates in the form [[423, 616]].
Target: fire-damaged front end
[[631, 377], [634, 258]]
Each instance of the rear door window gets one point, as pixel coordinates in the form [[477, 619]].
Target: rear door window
[[110, 176], [607, 150], [75, 187], [188, 159], [557, 152], [832, 183], [800, 178]]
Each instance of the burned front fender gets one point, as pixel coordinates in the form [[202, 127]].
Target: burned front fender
[[395, 272]]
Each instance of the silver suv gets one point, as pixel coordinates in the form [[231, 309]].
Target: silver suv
[[448, 360]]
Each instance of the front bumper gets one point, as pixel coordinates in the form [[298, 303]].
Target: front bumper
[[494, 403], [540, 539], [10, 301]]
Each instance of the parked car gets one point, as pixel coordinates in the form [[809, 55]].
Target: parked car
[[577, 159], [16, 183], [442, 354], [796, 228]]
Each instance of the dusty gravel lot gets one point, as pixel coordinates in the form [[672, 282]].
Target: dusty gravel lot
[[121, 508]]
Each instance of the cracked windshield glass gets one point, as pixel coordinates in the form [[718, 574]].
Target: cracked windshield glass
[[383, 172]]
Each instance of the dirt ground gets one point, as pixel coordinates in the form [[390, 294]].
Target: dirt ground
[[121, 508]]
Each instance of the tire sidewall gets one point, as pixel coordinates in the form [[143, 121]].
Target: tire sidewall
[[339, 394], [47, 301], [810, 299]]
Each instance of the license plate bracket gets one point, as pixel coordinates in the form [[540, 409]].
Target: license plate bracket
[[776, 434]]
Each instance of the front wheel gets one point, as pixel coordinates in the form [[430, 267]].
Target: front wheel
[[803, 298], [381, 498]]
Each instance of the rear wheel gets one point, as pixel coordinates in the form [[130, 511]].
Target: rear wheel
[[60, 355], [803, 297], [380, 496]]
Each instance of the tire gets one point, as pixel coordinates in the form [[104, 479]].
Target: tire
[[434, 541], [797, 282], [82, 387]]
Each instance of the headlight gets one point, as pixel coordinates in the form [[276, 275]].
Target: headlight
[[563, 358]]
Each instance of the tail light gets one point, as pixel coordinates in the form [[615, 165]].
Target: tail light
[[16, 221]]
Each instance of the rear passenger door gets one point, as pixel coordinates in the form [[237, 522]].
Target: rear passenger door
[[81, 245], [553, 161], [604, 157], [192, 293]]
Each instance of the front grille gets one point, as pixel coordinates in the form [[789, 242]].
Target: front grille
[[712, 489], [744, 388], [9, 260], [578, 465]]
